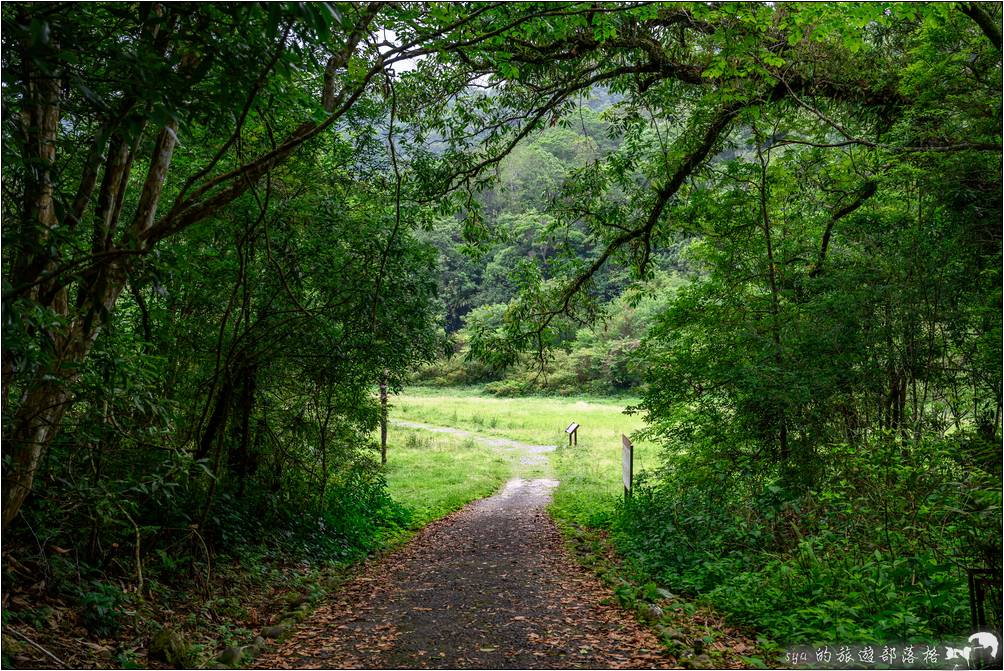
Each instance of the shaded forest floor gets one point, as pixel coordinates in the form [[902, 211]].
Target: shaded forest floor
[[46, 630]]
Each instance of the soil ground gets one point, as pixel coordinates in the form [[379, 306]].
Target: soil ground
[[490, 586]]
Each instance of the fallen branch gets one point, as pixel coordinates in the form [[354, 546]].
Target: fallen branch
[[22, 636]]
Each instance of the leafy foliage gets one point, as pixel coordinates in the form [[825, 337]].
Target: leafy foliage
[[226, 224]]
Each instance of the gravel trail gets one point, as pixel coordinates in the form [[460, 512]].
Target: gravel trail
[[490, 586]]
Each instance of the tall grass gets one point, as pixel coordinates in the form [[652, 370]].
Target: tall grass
[[434, 474]]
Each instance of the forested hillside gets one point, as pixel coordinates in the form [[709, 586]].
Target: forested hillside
[[521, 212], [225, 225]]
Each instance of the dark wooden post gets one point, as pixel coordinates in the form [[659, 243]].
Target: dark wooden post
[[383, 419]]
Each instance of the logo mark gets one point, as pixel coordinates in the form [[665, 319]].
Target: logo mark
[[984, 639]]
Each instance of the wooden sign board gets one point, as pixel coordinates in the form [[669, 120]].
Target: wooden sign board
[[573, 433], [627, 463]]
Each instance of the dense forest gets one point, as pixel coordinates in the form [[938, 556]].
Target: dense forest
[[775, 227]]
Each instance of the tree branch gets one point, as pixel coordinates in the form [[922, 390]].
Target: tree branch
[[866, 192], [989, 26], [691, 161]]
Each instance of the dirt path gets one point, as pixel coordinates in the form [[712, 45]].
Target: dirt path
[[532, 454], [489, 586]]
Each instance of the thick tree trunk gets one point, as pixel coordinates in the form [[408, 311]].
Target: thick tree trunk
[[47, 398], [41, 409]]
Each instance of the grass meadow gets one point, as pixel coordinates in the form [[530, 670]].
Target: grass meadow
[[435, 473]]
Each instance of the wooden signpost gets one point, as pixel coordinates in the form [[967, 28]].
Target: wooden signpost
[[573, 435], [383, 419], [627, 464]]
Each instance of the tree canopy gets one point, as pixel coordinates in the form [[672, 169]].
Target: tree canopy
[[226, 223]]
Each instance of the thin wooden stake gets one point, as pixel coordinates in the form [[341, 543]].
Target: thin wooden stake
[[383, 419]]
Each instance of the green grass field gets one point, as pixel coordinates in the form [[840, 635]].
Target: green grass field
[[437, 473], [434, 474]]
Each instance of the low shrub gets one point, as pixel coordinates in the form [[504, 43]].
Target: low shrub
[[873, 550]]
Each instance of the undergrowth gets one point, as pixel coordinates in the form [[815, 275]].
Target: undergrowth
[[873, 551], [219, 582]]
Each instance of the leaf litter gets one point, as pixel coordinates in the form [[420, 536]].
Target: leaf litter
[[490, 586]]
